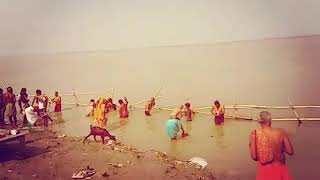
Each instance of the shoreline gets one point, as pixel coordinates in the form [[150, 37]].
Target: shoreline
[[48, 155]]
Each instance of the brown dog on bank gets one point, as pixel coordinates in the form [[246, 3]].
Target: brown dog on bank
[[97, 131]]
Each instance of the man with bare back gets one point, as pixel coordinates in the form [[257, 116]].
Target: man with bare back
[[268, 146]]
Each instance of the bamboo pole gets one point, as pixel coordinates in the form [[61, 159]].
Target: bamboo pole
[[146, 100], [157, 93], [294, 110], [72, 103], [245, 106], [3, 84], [75, 97]]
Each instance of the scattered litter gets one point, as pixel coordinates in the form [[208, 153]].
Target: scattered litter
[[105, 174], [110, 142], [199, 161], [85, 154], [128, 162], [115, 165], [62, 136], [9, 170], [84, 174]]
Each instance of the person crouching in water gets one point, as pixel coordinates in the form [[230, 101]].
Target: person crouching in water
[[57, 100], [123, 108], [173, 126], [150, 104], [188, 112], [268, 146], [218, 111]]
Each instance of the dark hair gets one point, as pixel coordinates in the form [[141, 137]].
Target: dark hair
[[120, 101], [187, 105], [23, 90], [217, 103], [1, 90], [9, 89], [91, 100], [38, 92]]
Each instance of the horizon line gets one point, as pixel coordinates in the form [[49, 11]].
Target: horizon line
[[155, 47]]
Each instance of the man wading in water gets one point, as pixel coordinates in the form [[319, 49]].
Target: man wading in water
[[267, 146]]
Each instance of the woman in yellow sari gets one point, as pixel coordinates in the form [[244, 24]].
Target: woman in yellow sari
[[99, 114]]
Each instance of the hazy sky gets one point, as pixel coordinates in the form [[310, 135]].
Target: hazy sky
[[42, 26]]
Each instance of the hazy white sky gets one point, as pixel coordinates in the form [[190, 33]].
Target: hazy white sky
[[42, 26]]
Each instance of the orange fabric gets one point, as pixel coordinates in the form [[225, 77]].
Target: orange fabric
[[272, 171]]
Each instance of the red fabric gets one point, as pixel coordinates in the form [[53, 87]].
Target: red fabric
[[272, 171], [147, 113], [124, 113], [219, 119], [57, 108]]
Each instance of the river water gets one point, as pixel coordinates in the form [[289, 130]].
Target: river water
[[264, 72]]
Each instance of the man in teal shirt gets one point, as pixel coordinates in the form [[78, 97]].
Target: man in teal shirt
[[173, 126]]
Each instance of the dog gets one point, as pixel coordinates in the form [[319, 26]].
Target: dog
[[98, 131]]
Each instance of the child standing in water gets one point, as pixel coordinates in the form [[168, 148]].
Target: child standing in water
[[150, 104], [123, 108], [188, 112]]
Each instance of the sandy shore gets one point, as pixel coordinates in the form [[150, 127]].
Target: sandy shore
[[48, 155]]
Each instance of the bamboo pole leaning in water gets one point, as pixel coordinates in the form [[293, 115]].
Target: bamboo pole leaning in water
[[294, 110], [146, 100]]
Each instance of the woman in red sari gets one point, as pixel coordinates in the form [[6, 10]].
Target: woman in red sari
[[123, 108], [268, 147]]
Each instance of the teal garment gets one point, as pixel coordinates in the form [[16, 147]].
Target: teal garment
[[173, 127]]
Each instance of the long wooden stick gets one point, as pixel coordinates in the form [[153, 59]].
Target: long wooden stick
[[4, 86], [75, 97], [294, 110], [244, 106], [157, 93]]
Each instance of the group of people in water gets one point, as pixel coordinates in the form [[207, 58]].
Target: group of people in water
[[30, 111], [268, 145]]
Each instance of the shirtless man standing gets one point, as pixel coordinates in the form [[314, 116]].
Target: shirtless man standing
[[268, 147]]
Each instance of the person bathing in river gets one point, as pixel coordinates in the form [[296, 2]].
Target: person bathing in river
[[40, 101], [123, 108], [177, 113], [10, 107], [268, 147], [188, 112], [57, 100], [40, 104], [23, 103], [110, 106], [100, 117], [2, 108], [218, 111], [90, 108], [150, 104], [173, 126]]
